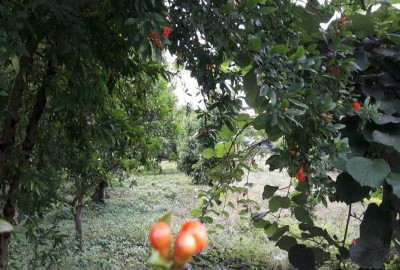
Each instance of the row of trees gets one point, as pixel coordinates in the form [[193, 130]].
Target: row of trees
[[83, 100]]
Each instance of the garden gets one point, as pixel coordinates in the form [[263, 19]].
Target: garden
[[291, 159]]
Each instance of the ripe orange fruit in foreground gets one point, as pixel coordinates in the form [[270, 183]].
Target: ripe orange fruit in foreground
[[185, 247], [160, 238], [199, 232]]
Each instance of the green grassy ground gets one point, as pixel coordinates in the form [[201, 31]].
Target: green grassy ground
[[116, 233]]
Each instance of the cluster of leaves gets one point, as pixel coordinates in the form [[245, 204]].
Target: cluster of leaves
[[305, 84]]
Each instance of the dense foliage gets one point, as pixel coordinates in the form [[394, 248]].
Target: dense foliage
[[330, 92]]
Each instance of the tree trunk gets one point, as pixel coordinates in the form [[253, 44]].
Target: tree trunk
[[78, 224], [99, 194], [27, 146], [17, 88]]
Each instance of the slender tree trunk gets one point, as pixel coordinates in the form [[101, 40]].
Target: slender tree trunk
[[78, 224], [99, 193], [27, 146]]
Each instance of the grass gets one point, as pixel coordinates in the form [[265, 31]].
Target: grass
[[116, 232]]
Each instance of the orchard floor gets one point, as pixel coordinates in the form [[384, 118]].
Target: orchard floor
[[116, 232]]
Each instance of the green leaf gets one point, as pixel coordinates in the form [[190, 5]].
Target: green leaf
[[273, 162], [197, 212], [15, 63], [271, 228], [208, 153], [279, 232], [254, 43], [300, 52], [349, 190], [260, 223], [286, 242], [5, 227], [362, 24], [278, 202], [269, 191], [387, 139], [250, 87], [298, 103], [368, 252], [166, 218], [302, 257], [299, 199], [267, 10], [376, 222], [394, 179], [280, 49], [208, 219], [368, 172], [302, 215], [261, 121]]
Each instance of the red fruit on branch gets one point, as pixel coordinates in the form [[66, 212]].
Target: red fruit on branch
[[199, 231], [300, 174], [356, 106], [335, 71], [292, 152], [185, 247], [166, 32], [154, 36], [160, 238]]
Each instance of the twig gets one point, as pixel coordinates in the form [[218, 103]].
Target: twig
[[347, 226]]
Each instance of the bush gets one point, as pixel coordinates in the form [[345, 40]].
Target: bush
[[194, 140]]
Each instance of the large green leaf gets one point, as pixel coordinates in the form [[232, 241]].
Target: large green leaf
[[302, 215], [387, 139], [394, 179], [250, 87], [362, 24], [302, 257], [269, 191], [278, 202], [368, 172], [261, 121], [376, 222], [368, 252], [286, 242], [349, 190], [208, 153]]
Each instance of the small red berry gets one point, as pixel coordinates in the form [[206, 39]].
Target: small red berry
[[292, 152], [154, 36], [356, 106], [158, 43], [166, 32], [234, 3], [335, 71], [354, 242]]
